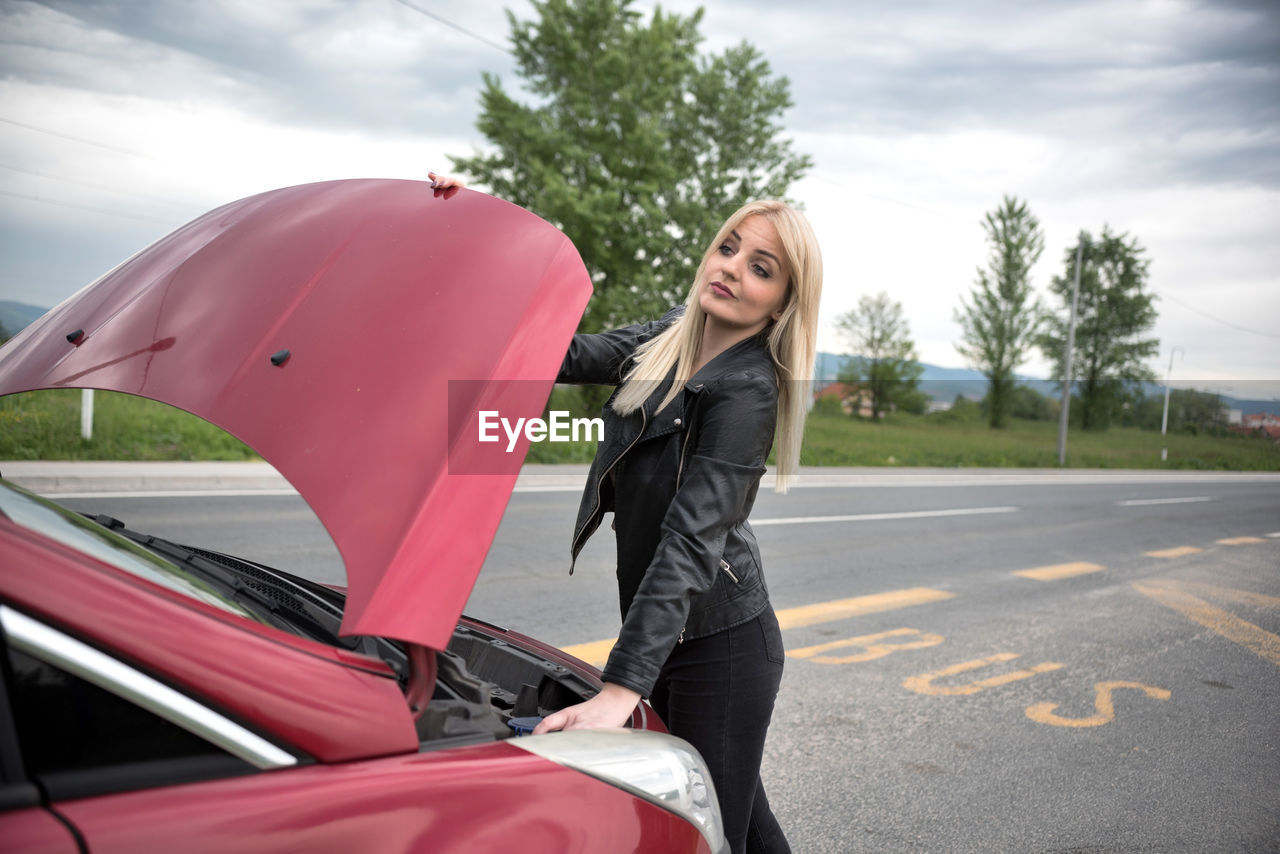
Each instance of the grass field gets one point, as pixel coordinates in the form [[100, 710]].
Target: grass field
[[46, 425], [907, 440]]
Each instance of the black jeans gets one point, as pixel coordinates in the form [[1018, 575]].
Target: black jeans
[[717, 693]]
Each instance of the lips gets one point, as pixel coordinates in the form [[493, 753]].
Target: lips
[[721, 291]]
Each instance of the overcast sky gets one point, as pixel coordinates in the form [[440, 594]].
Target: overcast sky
[[119, 121]]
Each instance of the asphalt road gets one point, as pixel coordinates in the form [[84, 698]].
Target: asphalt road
[[975, 663]]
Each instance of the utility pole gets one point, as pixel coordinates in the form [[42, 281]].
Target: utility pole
[[1066, 360], [1164, 419]]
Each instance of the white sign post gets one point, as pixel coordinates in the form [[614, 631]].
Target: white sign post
[[86, 414]]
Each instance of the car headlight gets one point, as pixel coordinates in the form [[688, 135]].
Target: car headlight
[[662, 769]]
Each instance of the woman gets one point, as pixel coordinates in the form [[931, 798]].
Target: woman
[[687, 431]]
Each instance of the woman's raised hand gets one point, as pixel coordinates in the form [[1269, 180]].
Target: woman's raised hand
[[444, 182]]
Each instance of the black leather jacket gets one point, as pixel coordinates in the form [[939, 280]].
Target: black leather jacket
[[681, 483]]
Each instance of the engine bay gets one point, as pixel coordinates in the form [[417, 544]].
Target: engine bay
[[484, 682]]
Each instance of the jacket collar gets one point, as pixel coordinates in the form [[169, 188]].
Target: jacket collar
[[746, 352]]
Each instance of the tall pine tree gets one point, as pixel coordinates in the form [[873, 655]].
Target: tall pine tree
[[1001, 317]]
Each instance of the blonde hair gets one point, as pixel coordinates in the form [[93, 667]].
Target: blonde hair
[[792, 338]]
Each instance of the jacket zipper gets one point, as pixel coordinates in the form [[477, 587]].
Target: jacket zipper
[[684, 445], [728, 570], [644, 420], [680, 468], [684, 449]]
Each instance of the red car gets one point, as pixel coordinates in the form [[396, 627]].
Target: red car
[[159, 697]]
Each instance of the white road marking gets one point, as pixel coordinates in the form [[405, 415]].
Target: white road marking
[[577, 488], [1142, 502], [813, 479], [789, 520], [174, 493], [876, 517]]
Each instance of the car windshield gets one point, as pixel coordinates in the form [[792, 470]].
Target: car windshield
[[70, 529]]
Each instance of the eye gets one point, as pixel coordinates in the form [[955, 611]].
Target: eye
[[726, 249], [761, 271]]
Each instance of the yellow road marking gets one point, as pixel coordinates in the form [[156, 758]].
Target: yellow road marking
[[1180, 551], [1215, 619], [1058, 571], [1106, 710], [870, 643], [923, 684], [597, 652], [1226, 594], [826, 612], [1240, 541]]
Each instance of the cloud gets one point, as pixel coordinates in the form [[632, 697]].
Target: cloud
[[1168, 74], [122, 121], [326, 64]]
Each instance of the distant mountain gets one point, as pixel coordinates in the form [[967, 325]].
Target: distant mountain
[[15, 316], [944, 384], [825, 368]]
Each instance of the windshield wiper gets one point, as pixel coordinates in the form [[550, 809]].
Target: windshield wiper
[[275, 599]]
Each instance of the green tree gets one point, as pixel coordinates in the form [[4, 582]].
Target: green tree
[[1026, 403], [882, 355], [962, 410], [1115, 314], [1143, 411], [633, 144], [1197, 411], [1000, 320]]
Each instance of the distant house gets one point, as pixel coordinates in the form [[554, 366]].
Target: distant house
[[1262, 421], [851, 397]]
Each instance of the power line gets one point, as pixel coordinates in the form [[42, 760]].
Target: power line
[[1219, 319], [114, 190], [818, 175], [25, 197], [454, 26], [75, 138], [507, 50]]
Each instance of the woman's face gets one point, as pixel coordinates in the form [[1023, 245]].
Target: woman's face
[[744, 283]]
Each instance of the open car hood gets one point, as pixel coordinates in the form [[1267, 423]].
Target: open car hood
[[349, 332]]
